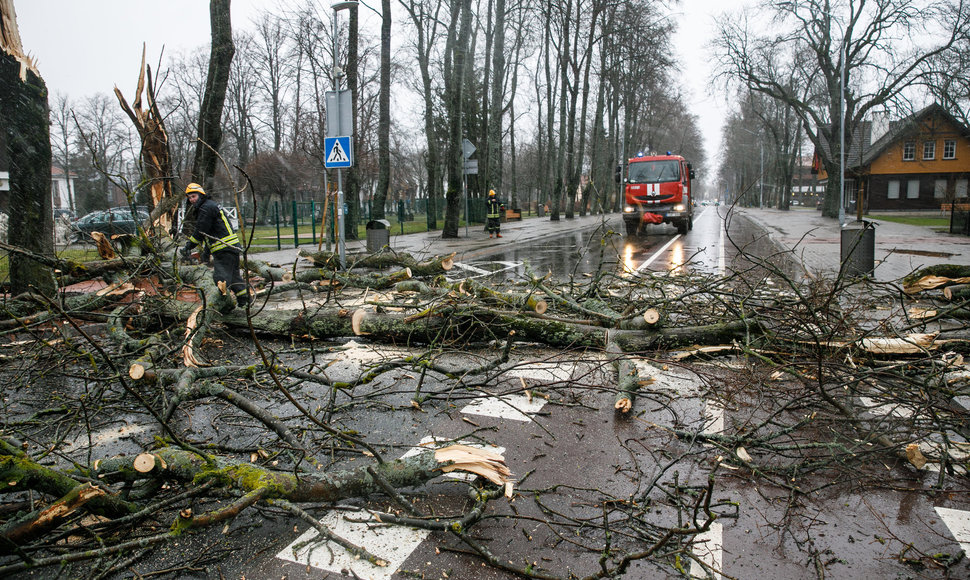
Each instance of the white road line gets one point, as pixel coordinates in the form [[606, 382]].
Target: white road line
[[959, 523], [548, 372], [708, 547], [657, 254], [714, 418], [513, 407], [471, 268], [721, 261], [481, 272], [392, 543], [107, 435]]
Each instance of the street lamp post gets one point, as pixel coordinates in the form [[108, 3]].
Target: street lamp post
[[337, 6], [842, 134]]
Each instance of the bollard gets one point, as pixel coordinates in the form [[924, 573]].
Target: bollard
[[858, 249], [378, 235]]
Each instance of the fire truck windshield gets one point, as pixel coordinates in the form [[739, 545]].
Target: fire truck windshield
[[654, 171]]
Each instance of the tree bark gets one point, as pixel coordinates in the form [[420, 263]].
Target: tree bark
[[217, 81], [26, 137]]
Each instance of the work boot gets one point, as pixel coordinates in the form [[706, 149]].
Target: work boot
[[243, 300], [490, 236], [498, 235]]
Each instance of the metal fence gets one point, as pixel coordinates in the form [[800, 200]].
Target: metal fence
[[960, 219], [302, 222]]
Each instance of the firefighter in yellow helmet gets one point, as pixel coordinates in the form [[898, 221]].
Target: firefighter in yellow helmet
[[493, 213], [212, 231]]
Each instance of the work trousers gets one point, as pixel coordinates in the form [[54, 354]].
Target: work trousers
[[226, 269], [493, 225]]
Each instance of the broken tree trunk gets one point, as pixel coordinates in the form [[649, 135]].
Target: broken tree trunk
[[155, 157], [313, 487], [25, 136]]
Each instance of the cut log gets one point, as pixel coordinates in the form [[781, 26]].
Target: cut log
[[144, 462]]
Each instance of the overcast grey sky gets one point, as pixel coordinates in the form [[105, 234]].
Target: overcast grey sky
[[85, 47]]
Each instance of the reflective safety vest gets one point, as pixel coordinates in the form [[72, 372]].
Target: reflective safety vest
[[212, 227], [494, 208]]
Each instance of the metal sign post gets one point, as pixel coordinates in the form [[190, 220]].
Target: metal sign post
[[337, 147], [467, 150]]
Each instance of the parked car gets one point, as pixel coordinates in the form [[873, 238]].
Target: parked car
[[109, 222], [64, 214]]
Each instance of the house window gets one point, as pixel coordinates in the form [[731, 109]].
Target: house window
[[939, 189], [909, 151], [912, 189], [950, 149], [893, 192], [961, 188], [929, 150]]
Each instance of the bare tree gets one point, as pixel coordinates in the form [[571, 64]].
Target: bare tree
[[425, 19], [456, 61], [217, 80], [268, 56], [384, 122], [851, 46], [63, 141]]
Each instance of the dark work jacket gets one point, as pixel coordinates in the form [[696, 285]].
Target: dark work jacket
[[212, 227], [495, 207]]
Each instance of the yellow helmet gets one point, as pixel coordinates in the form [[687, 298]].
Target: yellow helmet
[[491, 193], [194, 188]]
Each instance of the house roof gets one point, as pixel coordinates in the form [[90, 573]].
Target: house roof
[[910, 126], [859, 141]]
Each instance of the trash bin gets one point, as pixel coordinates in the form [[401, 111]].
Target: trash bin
[[378, 235], [858, 249], [541, 210]]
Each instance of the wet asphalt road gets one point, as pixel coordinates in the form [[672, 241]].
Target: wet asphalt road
[[578, 442]]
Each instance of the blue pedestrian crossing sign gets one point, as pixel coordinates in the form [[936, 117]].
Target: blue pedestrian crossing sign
[[339, 153]]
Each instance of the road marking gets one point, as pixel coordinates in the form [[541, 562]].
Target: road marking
[[958, 521], [482, 272], [708, 547], [471, 268], [656, 254], [721, 261], [876, 408], [713, 418], [107, 435], [514, 407], [547, 372], [390, 542], [432, 442]]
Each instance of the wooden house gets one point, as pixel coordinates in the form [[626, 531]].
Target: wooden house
[[922, 162]]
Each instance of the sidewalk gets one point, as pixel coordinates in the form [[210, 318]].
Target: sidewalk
[[899, 248], [466, 246]]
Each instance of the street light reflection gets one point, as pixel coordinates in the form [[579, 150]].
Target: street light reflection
[[628, 267], [677, 258]]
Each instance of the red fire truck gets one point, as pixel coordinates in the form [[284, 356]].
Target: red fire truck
[[658, 190]]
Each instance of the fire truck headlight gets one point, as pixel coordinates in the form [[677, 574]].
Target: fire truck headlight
[[680, 207], [629, 209]]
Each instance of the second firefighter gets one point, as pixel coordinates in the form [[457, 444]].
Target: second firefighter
[[494, 209]]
